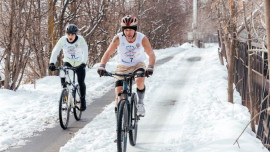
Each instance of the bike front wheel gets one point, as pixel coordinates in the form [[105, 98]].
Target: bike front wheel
[[64, 109], [77, 103], [122, 127], [133, 120]]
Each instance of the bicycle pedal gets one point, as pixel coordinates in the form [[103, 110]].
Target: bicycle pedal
[[115, 140]]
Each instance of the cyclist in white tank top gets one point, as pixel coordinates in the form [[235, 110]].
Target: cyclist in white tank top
[[132, 47], [130, 54]]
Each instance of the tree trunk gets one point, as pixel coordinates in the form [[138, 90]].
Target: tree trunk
[[229, 54], [41, 62], [74, 12], [51, 25], [61, 20], [232, 48], [8, 50]]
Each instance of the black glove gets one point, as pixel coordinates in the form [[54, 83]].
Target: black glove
[[52, 67], [81, 66], [149, 71], [101, 70]]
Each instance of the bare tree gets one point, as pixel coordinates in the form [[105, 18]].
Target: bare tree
[[28, 40], [227, 13]]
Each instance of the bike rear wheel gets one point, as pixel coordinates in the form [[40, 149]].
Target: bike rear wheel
[[77, 103], [122, 127], [133, 120], [64, 109]]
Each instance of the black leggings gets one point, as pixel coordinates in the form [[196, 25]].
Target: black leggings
[[80, 77]]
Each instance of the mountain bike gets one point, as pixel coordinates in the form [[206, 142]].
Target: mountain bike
[[127, 118], [70, 97]]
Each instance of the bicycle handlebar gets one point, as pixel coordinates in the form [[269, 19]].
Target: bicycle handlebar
[[65, 68], [124, 75]]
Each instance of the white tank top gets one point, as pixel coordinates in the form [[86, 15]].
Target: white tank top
[[129, 54]]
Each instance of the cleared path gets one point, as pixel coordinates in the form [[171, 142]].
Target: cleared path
[[52, 139]]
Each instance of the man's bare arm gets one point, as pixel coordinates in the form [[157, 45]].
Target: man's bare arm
[[111, 49], [149, 51]]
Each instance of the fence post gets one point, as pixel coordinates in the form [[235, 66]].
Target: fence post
[[267, 22], [250, 91]]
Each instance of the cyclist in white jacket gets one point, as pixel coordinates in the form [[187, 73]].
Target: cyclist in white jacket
[[75, 52]]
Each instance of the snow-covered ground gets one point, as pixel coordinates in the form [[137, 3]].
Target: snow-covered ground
[[196, 118], [30, 110]]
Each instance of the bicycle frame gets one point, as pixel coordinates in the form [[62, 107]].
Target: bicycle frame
[[71, 84], [68, 100], [126, 115], [127, 90], [127, 86]]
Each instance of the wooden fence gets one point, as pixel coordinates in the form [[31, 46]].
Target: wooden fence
[[256, 98]]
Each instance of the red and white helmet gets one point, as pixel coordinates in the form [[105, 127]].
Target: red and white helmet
[[129, 22]]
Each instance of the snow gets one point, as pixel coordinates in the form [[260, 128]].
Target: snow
[[201, 121], [196, 118]]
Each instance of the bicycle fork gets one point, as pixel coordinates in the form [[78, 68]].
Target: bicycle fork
[[70, 99]]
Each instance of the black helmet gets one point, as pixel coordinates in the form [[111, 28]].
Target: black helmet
[[71, 29]]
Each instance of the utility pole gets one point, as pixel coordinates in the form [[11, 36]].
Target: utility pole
[[194, 23]]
